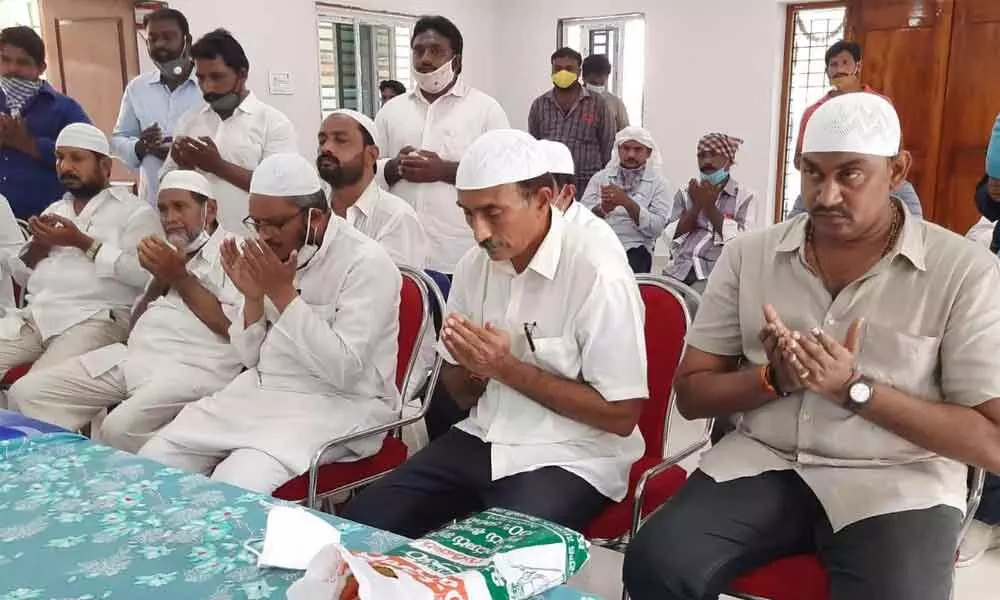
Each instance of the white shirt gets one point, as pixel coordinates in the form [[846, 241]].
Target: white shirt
[[66, 288], [254, 132], [597, 227], [391, 222], [11, 241], [170, 333], [447, 127], [587, 318]]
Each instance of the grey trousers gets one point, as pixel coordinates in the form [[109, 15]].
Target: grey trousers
[[711, 533]]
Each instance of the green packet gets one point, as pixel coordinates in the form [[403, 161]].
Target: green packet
[[497, 555]]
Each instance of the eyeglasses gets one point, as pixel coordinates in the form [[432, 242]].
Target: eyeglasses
[[258, 225]]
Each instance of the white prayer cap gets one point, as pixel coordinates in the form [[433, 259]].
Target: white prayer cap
[[285, 175], [858, 122], [641, 136], [500, 156], [362, 119], [84, 136], [558, 158], [191, 181]]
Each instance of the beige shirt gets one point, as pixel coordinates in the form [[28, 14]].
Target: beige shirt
[[931, 329]]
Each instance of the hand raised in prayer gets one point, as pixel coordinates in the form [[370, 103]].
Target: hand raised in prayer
[[166, 263], [993, 189], [149, 139], [483, 351], [703, 194], [425, 167], [200, 153], [53, 230], [236, 268], [612, 197], [275, 276], [788, 376], [16, 135], [830, 364]]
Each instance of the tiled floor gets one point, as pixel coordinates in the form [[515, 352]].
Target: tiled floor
[[602, 575]]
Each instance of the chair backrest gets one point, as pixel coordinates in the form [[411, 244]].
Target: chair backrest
[[667, 322], [414, 322]]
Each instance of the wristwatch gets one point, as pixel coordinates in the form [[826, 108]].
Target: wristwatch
[[859, 394], [91, 252]]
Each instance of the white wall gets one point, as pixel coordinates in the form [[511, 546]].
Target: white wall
[[280, 35], [711, 65]]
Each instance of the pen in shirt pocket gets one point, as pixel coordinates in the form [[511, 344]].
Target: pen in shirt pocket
[[529, 329]]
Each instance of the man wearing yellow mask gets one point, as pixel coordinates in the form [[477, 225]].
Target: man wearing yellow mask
[[572, 114], [843, 67]]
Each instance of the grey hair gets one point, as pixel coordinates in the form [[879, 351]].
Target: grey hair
[[315, 200]]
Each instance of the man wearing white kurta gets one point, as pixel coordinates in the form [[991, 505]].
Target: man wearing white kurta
[[11, 242], [81, 268], [424, 133], [347, 161], [227, 137], [318, 327], [178, 350], [545, 342]]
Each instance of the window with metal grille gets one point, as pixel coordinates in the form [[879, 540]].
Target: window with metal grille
[[357, 51], [811, 31], [623, 39]]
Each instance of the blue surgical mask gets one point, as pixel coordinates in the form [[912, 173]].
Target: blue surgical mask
[[715, 178]]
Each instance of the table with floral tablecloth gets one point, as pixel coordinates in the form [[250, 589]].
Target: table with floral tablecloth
[[81, 521]]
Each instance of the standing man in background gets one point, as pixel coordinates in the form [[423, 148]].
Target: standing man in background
[[572, 114], [229, 136], [389, 89], [596, 72], [154, 102], [425, 134], [32, 113]]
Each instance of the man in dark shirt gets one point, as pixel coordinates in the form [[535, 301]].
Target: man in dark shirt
[[988, 203], [572, 114], [32, 114]]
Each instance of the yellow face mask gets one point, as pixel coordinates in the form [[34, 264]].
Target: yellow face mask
[[563, 79]]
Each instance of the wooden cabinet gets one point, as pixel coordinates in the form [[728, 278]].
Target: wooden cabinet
[[938, 61]]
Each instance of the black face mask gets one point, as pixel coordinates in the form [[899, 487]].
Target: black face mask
[[224, 103]]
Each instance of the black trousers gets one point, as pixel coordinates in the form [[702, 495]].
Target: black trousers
[[451, 479], [711, 533], [640, 260]]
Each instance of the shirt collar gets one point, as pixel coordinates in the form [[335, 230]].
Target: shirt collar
[[910, 245], [585, 93], [211, 250], [546, 258], [366, 203], [154, 77], [732, 188]]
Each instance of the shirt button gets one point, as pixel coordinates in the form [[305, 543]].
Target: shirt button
[[831, 321]]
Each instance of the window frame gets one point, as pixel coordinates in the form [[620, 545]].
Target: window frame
[[784, 112]]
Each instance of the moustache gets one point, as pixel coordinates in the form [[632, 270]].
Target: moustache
[[825, 212], [328, 161], [68, 178], [489, 245]]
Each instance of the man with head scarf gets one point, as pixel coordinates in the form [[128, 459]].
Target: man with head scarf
[[713, 210], [544, 342], [178, 350], [317, 326], [81, 268], [348, 161], [859, 343], [632, 195]]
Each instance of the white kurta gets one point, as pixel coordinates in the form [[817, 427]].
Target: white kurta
[[323, 368], [66, 288], [583, 307], [598, 228], [392, 222], [11, 241]]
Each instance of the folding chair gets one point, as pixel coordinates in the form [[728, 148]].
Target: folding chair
[[323, 480], [654, 477], [803, 577]]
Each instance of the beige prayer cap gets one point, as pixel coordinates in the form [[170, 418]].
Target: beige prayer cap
[[860, 122], [191, 181], [84, 136], [285, 175], [362, 119], [558, 158], [500, 156]]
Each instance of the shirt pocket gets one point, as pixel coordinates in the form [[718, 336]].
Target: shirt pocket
[[905, 361], [557, 355]]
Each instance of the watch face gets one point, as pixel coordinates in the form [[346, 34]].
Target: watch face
[[860, 392]]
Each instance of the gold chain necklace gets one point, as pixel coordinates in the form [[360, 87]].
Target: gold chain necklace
[[894, 230]]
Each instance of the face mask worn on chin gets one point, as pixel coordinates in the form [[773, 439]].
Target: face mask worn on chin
[[597, 89], [173, 69], [309, 248], [224, 103], [436, 81], [202, 238], [845, 82], [564, 79], [716, 177], [19, 92]]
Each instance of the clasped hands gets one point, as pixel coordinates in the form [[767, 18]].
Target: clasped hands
[[611, 198], [257, 271], [811, 361], [483, 351]]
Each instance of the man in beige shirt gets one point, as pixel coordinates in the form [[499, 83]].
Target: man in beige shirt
[[859, 343]]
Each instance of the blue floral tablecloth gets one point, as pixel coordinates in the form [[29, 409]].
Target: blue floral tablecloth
[[15, 425], [80, 521]]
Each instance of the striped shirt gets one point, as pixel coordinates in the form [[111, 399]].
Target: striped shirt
[[588, 129]]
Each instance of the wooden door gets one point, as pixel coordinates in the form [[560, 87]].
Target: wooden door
[[906, 45], [971, 105], [92, 54]]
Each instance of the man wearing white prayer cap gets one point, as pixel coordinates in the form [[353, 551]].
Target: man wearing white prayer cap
[[544, 342], [632, 195], [348, 161], [316, 326], [859, 344], [178, 350], [81, 268], [559, 161]]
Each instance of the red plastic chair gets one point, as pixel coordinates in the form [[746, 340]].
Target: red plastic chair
[[803, 577], [338, 477], [654, 477]]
